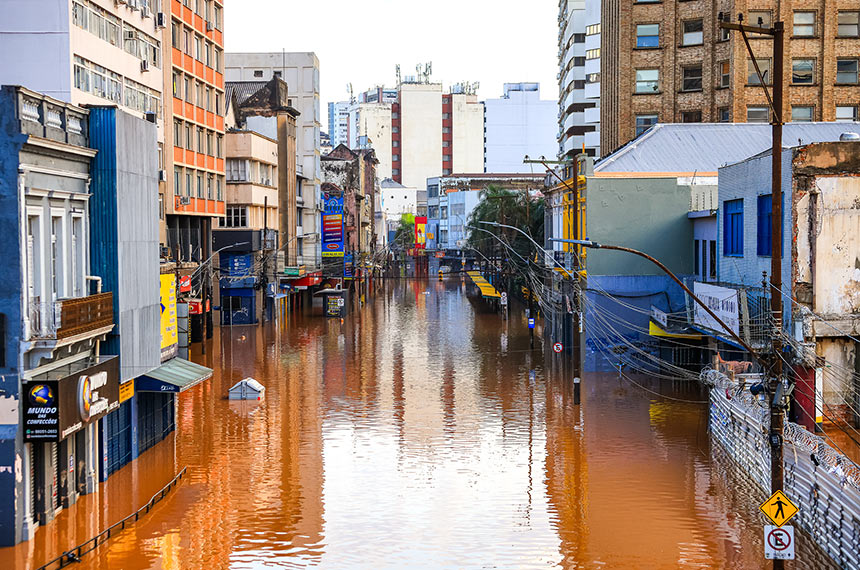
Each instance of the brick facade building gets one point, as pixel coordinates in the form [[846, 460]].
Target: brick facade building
[[674, 64]]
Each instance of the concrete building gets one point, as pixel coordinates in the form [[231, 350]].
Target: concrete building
[[572, 102], [338, 122], [370, 126], [670, 63], [395, 200], [820, 277], [86, 52], [451, 199], [592, 75], [657, 195], [516, 125], [301, 72]]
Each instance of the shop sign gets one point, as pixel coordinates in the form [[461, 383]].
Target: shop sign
[[722, 301], [184, 284], [41, 411], [332, 227], [195, 307], [333, 306], [126, 391], [56, 408], [169, 330], [420, 232]]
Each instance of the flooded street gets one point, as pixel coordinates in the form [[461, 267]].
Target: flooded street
[[412, 435]]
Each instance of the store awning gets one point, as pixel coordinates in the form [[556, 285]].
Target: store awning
[[175, 375], [487, 290], [655, 330]]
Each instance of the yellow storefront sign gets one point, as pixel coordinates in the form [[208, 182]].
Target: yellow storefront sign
[[169, 332], [126, 391]]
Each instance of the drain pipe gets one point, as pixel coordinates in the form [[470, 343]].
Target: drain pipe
[[98, 281]]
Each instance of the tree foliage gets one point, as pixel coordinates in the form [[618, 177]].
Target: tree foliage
[[511, 208], [404, 236]]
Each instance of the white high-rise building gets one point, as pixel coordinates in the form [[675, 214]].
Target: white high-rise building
[[516, 125], [338, 122], [301, 71], [573, 55], [592, 74]]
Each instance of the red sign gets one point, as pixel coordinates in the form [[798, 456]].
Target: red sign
[[195, 307], [558, 347], [185, 284], [420, 232]]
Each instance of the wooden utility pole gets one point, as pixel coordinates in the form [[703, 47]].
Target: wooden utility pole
[[776, 393]]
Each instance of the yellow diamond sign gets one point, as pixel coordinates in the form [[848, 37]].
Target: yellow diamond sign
[[778, 508]]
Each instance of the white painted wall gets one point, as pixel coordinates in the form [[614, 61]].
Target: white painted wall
[[467, 132], [421, 133], [519, 124], [373, 120], [397, 199]]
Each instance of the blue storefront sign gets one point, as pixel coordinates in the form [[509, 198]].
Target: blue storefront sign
[[237, 271], [332, 226], [348, 266]]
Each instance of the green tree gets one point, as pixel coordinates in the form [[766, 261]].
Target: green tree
[[404, 236], [516, 209]]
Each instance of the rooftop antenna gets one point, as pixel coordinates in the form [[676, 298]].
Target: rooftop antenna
[[398, 75], [349, 88]]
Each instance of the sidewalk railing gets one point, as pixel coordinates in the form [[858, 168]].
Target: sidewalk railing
[[74, 555]]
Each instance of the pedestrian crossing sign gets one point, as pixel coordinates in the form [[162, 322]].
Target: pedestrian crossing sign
[[778, 508]]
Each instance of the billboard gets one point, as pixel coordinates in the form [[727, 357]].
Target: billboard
[[722, 301], [420, 232], [332, 226], [169, 331]]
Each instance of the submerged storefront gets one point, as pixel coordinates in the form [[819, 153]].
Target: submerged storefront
[[63, 414]]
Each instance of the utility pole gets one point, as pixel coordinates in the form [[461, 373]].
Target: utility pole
[[265, 268], [777, 394]]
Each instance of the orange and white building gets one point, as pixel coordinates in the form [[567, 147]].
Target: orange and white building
[[193, 187]]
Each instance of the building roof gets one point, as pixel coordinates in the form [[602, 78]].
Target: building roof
[[242, 89], [705, 147], [389, 183]]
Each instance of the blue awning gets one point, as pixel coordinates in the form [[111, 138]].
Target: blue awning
[[175, 375]]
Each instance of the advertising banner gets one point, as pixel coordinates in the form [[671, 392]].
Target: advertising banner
[[169, 331], [722, 301], [348, 265], [237, 271], [420, 232], [332, 227], [57, 407]]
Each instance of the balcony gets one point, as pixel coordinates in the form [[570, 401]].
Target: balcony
[[68, 320]]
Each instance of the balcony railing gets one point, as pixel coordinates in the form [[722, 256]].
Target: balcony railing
[[70, 317]]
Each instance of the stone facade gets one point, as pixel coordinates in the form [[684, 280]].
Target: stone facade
[[719, 98]]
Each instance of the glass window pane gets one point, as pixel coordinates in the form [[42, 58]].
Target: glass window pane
[[801, 71], [846, 113], [846, 71], [801, 114]]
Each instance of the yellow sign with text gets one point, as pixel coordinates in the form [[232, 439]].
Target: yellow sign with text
[[126, 391], [169, 332], [779, 509]]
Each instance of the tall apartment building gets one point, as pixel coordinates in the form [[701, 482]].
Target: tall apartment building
[[518, 124], [194, 189], [86, 52], [592, 75], [338, 122], [301, 71], [670, 62], [370, 127], [575, 130]]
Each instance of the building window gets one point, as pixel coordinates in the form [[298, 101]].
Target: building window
[[846, 114], [177, 85], [200, 147], [643, 122], [712, 259], [725, 74], [802, 71], [395, 158], [760, 18], [692, 78], [802, 113], [237, 217], [446, 116], [186, 36], [177, 134], [446, 144], [219, 194], [647, 80], [446, 158], [846, 71], [648, 35], [724, 35], [723, 115], [209, 187], [592, 30], [696, 257], [764, 233], [578, 61], [219, 142], [692, 33], [175, 36], [177, 181], [237, 170], [733, 227], [848, 24], [691, 116], [804, 24], [764, 67], [758, 114], [258, 73], [199, 185], [395, 129], [395, 144], [592, 53], [395, 172]]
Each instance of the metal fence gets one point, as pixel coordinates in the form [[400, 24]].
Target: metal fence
[[822, 480]]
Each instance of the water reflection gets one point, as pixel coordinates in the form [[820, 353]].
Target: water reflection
[[420, 432]]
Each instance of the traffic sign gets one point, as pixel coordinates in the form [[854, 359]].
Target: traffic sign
[[531, 323], [778, 508], [504, 299], [558, 347], [779, 542]]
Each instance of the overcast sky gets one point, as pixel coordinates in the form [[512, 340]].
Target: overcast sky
[[360, 42]]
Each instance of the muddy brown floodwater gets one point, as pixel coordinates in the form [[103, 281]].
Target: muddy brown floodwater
[[412, 435]]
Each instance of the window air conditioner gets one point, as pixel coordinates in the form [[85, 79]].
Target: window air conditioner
[[144, 13], [209, 26], [144, 65], [165, 251], [162, 176], [161, 20]]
